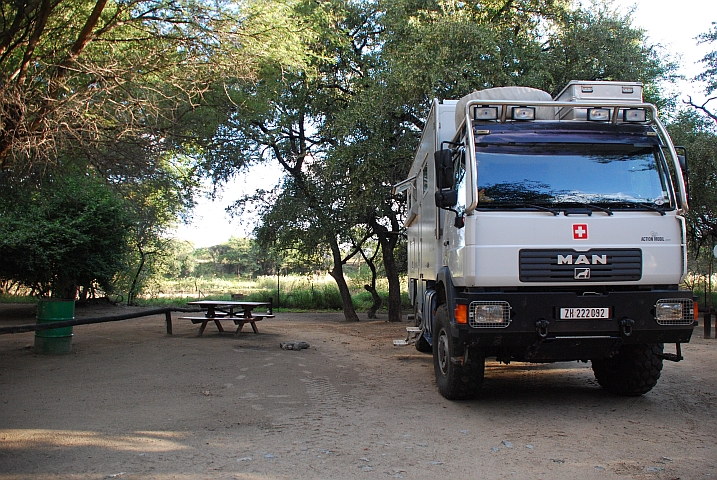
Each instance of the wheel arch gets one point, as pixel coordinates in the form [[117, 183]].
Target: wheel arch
[[445, 291]]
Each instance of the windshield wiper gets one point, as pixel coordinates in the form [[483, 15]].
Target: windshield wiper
[[647, 206], [581, 208], [543, 208], [521, 206]]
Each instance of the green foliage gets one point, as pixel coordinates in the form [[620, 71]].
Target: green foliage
[[699, 136], [93, 73], [69, 233], [709, 75], [600, 44], [710, 60], [156, 197]]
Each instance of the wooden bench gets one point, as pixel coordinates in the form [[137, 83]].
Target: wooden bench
[[255, 317], [204, 321], [237, 318]]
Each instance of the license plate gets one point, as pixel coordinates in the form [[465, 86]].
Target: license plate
[[584, 313]]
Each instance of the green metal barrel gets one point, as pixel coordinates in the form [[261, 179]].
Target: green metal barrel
[[56, 340]]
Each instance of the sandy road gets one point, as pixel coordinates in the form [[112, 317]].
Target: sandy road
[[131, 402]]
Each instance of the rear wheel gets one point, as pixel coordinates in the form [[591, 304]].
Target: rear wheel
[[422, 344], [632, 372], [455, 381]]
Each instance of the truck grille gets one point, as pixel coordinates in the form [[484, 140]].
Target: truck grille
[[566, 265]]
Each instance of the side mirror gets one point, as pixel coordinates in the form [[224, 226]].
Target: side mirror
[[444, 168], [446, 198]]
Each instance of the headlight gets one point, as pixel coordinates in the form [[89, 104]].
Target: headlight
[[489, 314], [674, 311]]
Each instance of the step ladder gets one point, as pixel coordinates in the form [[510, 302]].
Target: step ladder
[[413, 334]]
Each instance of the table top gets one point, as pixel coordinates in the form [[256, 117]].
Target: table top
[[227, 303]]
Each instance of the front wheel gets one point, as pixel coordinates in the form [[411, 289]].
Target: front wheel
[[632, 372], [455, 381]]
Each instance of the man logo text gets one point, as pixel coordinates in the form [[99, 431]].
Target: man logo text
[[582, 260]]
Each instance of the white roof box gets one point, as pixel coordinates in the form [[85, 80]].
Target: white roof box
[[587, 91], [580, 90], [508, 93]]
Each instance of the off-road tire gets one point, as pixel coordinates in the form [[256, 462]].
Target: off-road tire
[[632, 372], [455, 381], [422, 344]]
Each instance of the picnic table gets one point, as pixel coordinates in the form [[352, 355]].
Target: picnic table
[[238, 311]]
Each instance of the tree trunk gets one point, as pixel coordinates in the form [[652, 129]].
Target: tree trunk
[[376, 305], [338, 273], [388, 241], [376, 300], [132, 289], [394, 284]]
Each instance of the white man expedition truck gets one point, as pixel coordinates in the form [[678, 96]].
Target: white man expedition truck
[[543, 230]]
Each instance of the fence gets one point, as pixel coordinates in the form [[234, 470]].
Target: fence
[[166, 311]]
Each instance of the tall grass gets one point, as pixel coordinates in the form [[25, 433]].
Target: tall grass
[[9, 298], [294, 292]]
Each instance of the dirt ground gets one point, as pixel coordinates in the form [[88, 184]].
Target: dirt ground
[[132, 402]]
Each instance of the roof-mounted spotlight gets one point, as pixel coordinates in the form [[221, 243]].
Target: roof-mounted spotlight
[[485, 113], [634, 115], [523, 113], [598, 114]]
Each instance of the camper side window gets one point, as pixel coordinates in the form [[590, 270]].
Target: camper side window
[[424, 173]]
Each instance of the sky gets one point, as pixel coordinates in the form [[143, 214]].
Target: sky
[[672, 24]]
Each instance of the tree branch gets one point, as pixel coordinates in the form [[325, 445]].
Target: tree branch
[[703, 108]]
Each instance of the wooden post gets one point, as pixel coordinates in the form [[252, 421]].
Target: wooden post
[[168, 321]]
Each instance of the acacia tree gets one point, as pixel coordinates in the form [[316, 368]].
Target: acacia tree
[[90, 73], [285, 117]]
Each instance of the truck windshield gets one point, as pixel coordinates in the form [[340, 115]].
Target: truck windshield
[[610, 175]]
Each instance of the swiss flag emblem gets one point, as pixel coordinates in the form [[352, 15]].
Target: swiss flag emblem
[[580, 231]]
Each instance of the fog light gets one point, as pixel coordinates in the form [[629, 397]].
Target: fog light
[[489, 314]]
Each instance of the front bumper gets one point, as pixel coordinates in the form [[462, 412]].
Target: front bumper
[[535, 332]]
